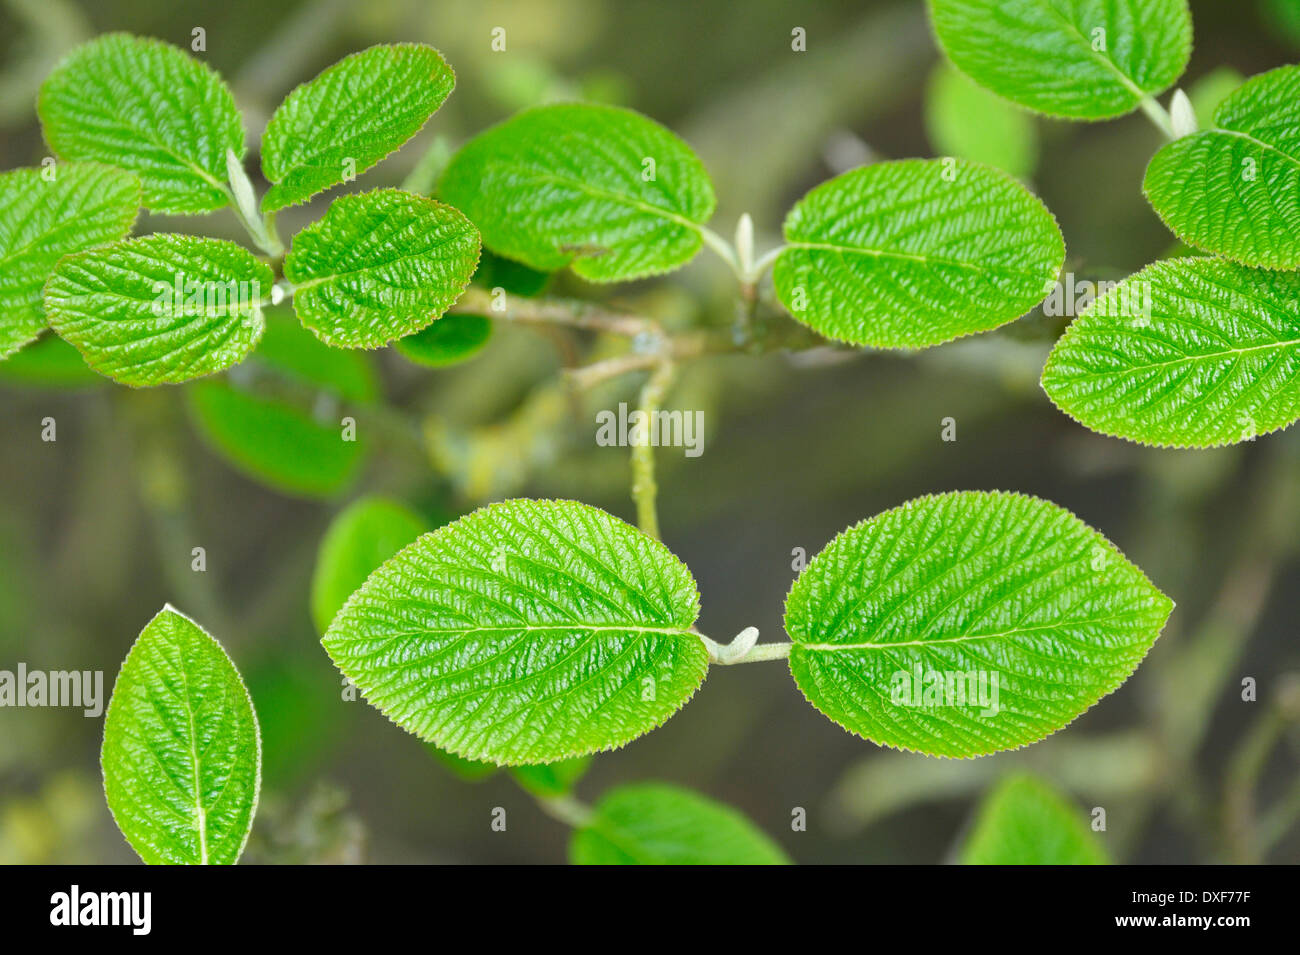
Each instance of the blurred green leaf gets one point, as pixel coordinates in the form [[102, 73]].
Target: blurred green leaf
[[552, 779], [1025, 822], [448, 341], [49, 362], [363, 535], [1208, 92], [658, 824], [965, 120]]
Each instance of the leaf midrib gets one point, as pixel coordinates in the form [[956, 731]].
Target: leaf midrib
[[961, 638], [910, 257]]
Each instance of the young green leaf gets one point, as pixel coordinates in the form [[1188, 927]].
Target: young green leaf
[[146, 106], [1026, 822], [603, 189], [1079, 59], [161, 309], [548, 780], [380, 265], [364, 535], [450, 340], [43, 219], [914, 253], [1187, 353], [658, 824], [182, 754], [965, 120], [350, 117], [1235, 189], [526, 632], [966, 623]]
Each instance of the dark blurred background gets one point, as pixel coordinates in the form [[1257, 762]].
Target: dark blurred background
[[97, 529]]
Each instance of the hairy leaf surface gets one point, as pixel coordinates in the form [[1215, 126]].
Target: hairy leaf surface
[[363, 535], [1080, 59], [917, 252], [146, 106], [1235, 189], [603, 189], [526, 632], [182, 754], [350, 117], [42, 220], [658, 824], [1025, 822], [160, 309], [1216, 361], [380, 265], [968, 592]]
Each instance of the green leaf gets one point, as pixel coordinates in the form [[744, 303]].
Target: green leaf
[[450, 340], [182, 755], [657, 824], [380, 265], [161, 309], [363, 535], [549, 780], [290, 351], [1026, 822], [1210, 90], [907, 625], [1235, 190], [466, 770], [350, 117], [526, 632], [914, 253], [603, 189], [963, 119], [49, 362], [1079, 59], [1188, 353], [42, 220], [275, 442], [146, 106]]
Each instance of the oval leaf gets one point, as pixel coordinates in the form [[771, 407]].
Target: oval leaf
[[603, 189], [380, 265], [146, 106], [915, 253], [161, 309], [182, 754], [448, 341], [42, 220], [364, 535], [1235, 189], [1189, 353], [657, 824], [1026, 822], [350, 117], [526, 632], [966, 623], [1080, 59]]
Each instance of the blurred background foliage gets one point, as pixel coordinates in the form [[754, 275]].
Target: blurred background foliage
[[97, 529]]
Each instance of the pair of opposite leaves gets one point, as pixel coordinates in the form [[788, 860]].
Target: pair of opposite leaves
[[534, 631], [1191, 352]]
